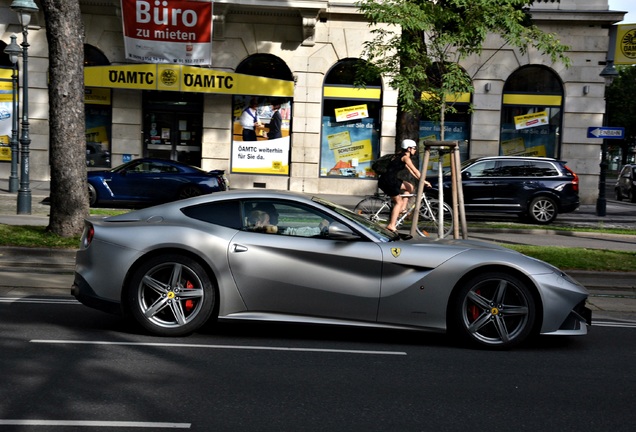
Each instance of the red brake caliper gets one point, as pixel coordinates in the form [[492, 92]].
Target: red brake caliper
[[473, 310], [189, 304]]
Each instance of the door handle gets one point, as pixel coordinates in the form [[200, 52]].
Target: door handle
[[240, 248]]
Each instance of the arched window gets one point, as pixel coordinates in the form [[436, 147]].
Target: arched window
[[265, 65], [262, 119], [531, 114], [350, 123]]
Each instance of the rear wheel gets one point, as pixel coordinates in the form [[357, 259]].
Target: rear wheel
[[189, 191], [495, 310], [542, 210], [374, 209], [170, 295], [428, 220]]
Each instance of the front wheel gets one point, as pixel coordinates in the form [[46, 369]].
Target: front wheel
[[92, 195], [428, 220], [170, 295], [494, 310], [542, 210], [374, 209]]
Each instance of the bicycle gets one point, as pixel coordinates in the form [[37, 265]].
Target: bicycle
[[377, 208]]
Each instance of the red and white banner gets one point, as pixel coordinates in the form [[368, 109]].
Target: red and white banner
[[168, 31]]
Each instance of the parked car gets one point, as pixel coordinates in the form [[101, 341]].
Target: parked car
[[626, 183], [533, 187], [147, 181], [281, 256], [96, 156]]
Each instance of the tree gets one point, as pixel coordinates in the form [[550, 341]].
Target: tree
[[621, 110], [65, 35], [417, 40]]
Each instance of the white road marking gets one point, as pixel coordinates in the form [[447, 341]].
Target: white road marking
[[96, 423], [614, 324], [38, 300], [237, 347]]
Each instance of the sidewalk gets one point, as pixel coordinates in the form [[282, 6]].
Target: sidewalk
[[612, 294]]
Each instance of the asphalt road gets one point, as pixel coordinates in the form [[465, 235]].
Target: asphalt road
[[67, 367]]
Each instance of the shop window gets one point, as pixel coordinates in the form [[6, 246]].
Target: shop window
[[350, 123], [531, 114], [457, 120], [98, 113], [262, 122]]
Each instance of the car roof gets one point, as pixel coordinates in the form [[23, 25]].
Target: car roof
[[535, 158]]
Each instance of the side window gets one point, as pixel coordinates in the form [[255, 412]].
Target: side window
[[542, 169], [284, 218], [481, 169], [510, 168], [225, 213]]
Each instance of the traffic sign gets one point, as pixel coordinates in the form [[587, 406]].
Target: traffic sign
[[606, 132]]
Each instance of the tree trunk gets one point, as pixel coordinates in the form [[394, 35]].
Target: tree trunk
[[67, 140]]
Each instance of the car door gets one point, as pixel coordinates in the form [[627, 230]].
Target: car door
[[143, 182], [289, 273], [510, 187], [478, 183]]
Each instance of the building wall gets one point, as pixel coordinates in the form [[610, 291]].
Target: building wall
[[311, 37]]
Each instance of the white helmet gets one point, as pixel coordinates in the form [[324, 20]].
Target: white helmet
[[408, 143]]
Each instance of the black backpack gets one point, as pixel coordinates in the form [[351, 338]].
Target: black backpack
[[381, 164]]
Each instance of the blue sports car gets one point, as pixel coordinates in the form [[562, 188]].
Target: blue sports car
[[145, 182]]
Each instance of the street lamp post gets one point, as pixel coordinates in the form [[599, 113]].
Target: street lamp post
[[609, 73], [13, 51], [24, 9]]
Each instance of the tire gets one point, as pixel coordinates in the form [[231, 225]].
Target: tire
[[374, 209], [542, 210], [189, 191], [493, 310], [92, 195], [619, 195], [428, 220], [170, 295]]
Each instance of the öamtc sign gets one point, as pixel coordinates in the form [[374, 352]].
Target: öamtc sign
[[168, 31]]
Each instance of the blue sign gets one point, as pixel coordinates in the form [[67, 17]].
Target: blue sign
[[606, 132]]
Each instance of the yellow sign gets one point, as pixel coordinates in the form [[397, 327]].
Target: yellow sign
[[357, 150], [625, 52], [5, 152], [96, 96], [352, 113], [339, 140], [531, 120], [184, 79]]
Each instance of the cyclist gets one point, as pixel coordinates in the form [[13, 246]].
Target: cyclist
[[393, 186]]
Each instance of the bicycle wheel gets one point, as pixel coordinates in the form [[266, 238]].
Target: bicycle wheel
[[428, 220], [375, 209]]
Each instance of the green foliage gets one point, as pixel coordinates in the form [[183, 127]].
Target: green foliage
[[621, 109], [417, 44], [580, 258]]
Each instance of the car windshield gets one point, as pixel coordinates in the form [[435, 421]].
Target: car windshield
[[378, 231]]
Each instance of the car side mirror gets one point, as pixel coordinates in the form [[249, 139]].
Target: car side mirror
[[466, 175], [338, 231]]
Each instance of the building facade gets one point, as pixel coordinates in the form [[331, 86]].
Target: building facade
[[296, 58]]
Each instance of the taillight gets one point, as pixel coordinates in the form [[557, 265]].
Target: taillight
[[575, 179], [87, 236]]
